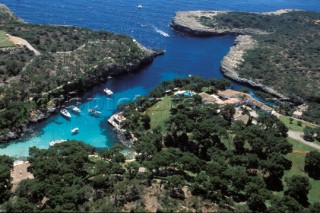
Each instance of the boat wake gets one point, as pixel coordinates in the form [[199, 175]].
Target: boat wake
[[164, 34]]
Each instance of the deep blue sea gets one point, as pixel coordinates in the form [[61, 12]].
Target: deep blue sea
[[184, 55]]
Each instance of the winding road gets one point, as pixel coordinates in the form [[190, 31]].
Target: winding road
[[21, 41], [298, 137]]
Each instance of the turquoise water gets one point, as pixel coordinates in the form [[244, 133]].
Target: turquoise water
[[184, 55]]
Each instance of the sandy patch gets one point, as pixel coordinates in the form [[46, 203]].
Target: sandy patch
[[20, 172]]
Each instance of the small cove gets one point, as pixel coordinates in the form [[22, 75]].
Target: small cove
[[184, 55]]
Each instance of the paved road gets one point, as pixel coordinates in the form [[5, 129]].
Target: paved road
[[297, 136]]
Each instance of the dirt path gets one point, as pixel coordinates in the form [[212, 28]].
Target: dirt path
[[20, 41], [299, 151], [298, 136]]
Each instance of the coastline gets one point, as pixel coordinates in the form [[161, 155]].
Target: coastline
[[234, 57], [187, 22], [90, 79]]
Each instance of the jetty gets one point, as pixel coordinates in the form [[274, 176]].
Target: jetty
[[116, 120]]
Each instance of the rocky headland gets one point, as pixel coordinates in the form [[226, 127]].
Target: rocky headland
[[234, 58], [192, 23], [188, 22]]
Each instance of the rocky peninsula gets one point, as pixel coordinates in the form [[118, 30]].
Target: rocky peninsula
[[189, 22], [70, 61], [234, 58], [267, 54]]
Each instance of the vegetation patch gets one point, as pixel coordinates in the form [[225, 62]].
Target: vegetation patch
[[203, 161], [4, 42], [160, 113], [294, 124], [298, 163]]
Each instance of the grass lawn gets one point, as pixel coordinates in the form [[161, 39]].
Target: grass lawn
[[298, 167], [4, 42], [160, 113], [294, 126]]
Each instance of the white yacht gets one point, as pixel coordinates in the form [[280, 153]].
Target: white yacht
[[75, 109], [140, 6], [94, 112], [164, 34], [108, 91], [65, 113], [75, 130]]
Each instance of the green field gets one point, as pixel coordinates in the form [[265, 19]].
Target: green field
[[294, 126], [298, 167], [160, 113], [4, 42]]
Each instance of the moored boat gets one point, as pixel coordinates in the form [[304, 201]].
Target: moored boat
[[65, 113], [108, 91], [75, 130], [94, 112], [76, 109]]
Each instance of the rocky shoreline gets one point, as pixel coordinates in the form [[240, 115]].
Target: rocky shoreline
[[90, 80], [187, 22], [234, 58]]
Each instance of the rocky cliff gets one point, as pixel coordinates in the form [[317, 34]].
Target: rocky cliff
[[234, 58]]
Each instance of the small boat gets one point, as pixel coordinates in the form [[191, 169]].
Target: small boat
[[108, 91], [75, 130], [164, 34], [109, 77], [140, 6], [76, 109], [65, 113], [52, 143], [94, 112]]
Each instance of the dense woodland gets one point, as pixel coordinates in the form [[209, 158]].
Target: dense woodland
[[286, 57], [200, 161], [71, 57]]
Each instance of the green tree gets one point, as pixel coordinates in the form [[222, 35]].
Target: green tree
[[298, 188], [308, 133], [227, 112], [317, 133], [6, 164], [285, 204], [314, 208], [132, 169], [145, 119], [174, 185], [256, 203], [312, 164]]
